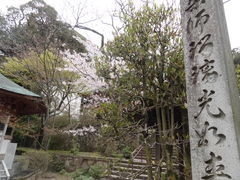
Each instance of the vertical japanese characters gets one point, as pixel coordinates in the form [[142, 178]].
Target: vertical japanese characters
[[203, 71]]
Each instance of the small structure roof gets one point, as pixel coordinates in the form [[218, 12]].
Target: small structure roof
[[18, 100], [10, 86]]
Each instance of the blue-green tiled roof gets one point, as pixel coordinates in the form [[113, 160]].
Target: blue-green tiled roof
[[8, 85]]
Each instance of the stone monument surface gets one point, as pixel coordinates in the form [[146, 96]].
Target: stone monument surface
[[213, 100]]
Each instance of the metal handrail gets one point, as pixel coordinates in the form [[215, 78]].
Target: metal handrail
[[6, 170], [138, 173], [134, 155], [137, 151]]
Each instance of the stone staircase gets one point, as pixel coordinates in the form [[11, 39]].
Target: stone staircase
[[136, 168], [124, 170]]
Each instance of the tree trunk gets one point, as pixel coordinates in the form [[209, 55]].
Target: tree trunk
[[181, 145], [168, 142], [164, 122], [41, 134], [158, 144], [172, 122], [148, 152]]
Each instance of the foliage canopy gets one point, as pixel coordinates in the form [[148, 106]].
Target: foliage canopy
[[35, 26]]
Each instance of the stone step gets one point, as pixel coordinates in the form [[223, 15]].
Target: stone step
[[116, 177], [130, 169], [153, 152], [126, 175], [130, 176], [125, 170], [2, 172], [144, 155], [135, 161], [141, 162], [137, 166], [153, 156], [3, 177], [139, 156], [4, 145]]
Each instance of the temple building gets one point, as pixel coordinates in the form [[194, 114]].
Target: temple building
[[15, 101]]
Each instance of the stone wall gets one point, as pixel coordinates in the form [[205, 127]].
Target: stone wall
[[71, 163], [74, 162]]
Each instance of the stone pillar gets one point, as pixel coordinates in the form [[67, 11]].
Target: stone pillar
[[213, 100]]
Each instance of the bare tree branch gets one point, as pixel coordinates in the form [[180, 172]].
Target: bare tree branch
[[92, 30]]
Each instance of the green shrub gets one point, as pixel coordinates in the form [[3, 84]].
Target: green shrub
[[56, 164], [96, 171], [60, 142], [107, 147], [78, 173], [127, 152], [38, 160], [19, 134], [60, 121], [84, 178], [93, 173], [75, 146]]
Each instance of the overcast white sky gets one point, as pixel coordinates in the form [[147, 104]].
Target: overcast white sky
[[104, 7]]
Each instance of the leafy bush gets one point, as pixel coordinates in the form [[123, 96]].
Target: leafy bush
[[75, 146], [38, 160], [127, 152], [96, 171], [19, 134], [60, 142], [84, 178], [56, 164], [93, 173], [60, 121], [107, 146]]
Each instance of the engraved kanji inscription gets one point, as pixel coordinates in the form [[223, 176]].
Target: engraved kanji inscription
[[215, 168], [221, 137], [207, 69], [212, 104], [204, 103], [194, 74], [202, 135], [194, 4], [190, 25], [200, 46], [200, 20]]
